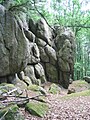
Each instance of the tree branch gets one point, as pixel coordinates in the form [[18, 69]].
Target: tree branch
[[42, 16], [80, 26]]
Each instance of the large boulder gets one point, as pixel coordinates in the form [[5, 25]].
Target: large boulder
[[43, 31], [30, 72], [34, 49], [51, 73], [34, 56], [51, 53], [39, 72], [37, 108], [65, 54], [11, 112], [87, 79], [43, 56], [14, 46]]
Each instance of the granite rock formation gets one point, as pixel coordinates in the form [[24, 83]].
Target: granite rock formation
[[43, 55]]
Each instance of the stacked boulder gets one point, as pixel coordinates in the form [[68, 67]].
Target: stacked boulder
[[34, 48]]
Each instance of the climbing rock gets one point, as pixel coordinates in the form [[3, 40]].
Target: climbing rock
[[43, 31], [43, 56], [39, 73], [51, 53], [34, 57], [19, 83], [32, 26], [14, 50], [40, 42], [65, 45], [30, 36], [30, 72], [26, 79], [51, 73]]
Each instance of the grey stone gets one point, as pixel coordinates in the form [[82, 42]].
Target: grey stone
[[52, 54], [29, 35], [12, 114], [43, 31], [64, 65], [40, 42], [44, 57], [39, 72], [87, 79], [30, 72], [2, 10], [65, 54], [14, 49], [26, 79], [32, 26], [51, 73], [34, 54]]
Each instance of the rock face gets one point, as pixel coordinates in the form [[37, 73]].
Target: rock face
[[65, 53], [35, 49], [14, 46]]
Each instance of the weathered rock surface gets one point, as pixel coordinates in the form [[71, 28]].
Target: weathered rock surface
[[65, 53], [87, 79], [43, 31], [40, 73], [35, 50], [79, 86], [54, 89], [37, 108], [12, 113], [13, 45], [51, 73]]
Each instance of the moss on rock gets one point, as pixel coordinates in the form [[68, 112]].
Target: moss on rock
[[79, 85], [37, 89], [11, 113], [54, 89], [37, 108], [78, 94], [5, 88]]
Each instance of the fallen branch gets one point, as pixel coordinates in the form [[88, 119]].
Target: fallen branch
[[4, 96], [25, 98]]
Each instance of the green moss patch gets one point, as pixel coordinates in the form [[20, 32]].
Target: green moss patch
[[5, 88], [78, 94], [37, 88], [33, 87], [79, 85], [37, 108], [11, 113], [54, 89]]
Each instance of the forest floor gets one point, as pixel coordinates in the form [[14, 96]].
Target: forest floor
[[62, 107]]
